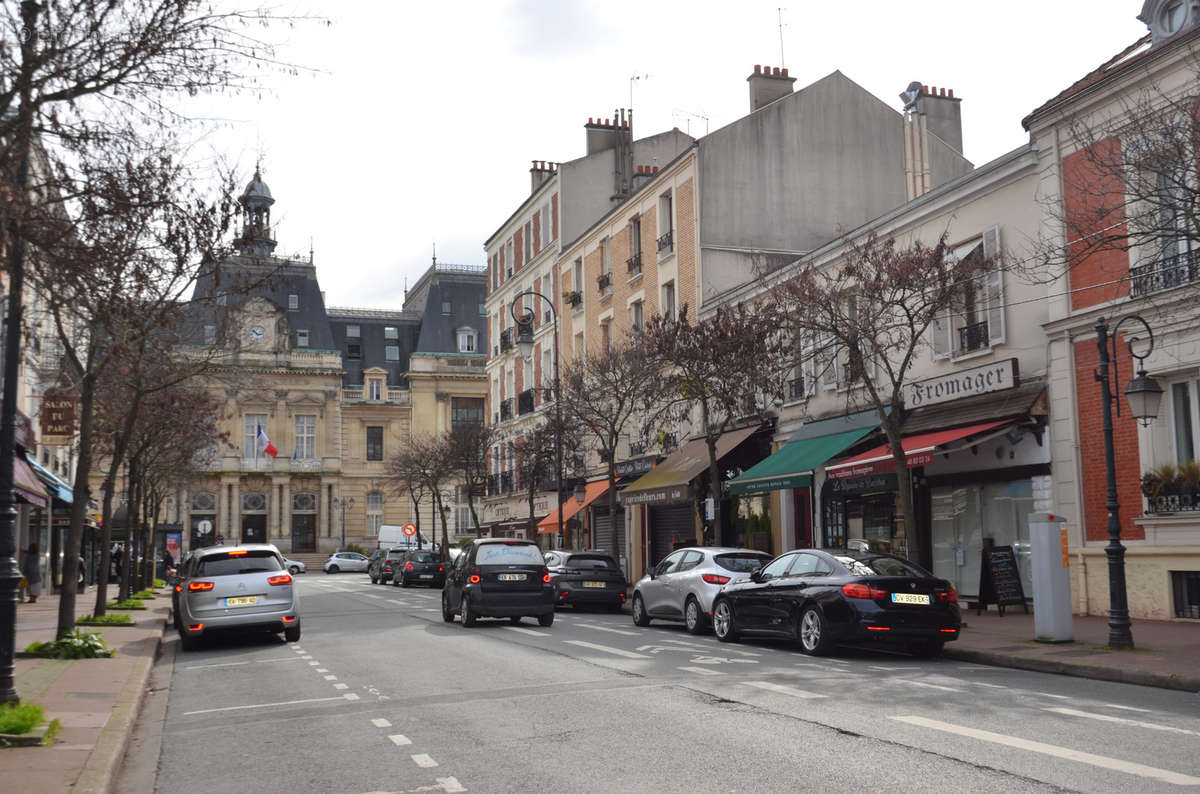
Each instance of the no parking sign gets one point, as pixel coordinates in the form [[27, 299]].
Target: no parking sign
[[410, 529]]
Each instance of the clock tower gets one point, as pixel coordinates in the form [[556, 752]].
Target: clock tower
[[256, 200]]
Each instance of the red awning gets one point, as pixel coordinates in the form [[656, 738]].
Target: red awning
[[594, 491], [918, 451], [26, 484]]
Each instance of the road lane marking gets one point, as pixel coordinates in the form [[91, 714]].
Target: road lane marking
[[222, 664], [1115, 764], [372, 595], [261, 705], [885, 669], [424, 761], [606, 628], [284, 659], [350, 696], [933, 686], [331, 678], [341, 686], [450, 785], [313, 664], [1127, 708], [306, 656], [380, 722], [784, 690], [322, 670], [1120, 720], [607, 649], [702, 670], [529, 631], [689, 644], [400, 739], [989, 686], [1048, 695]]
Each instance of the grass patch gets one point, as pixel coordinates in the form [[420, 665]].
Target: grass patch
[[20, 718], [76, 645], [51, 731], [104, 620], [145, 594], [160, 582], [128, 603]]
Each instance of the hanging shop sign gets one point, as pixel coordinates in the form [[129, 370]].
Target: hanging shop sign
[[996, 376], [871, 483], [58, 420], [635, 467]]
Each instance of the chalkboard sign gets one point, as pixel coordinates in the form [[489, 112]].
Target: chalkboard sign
[[999, 580]]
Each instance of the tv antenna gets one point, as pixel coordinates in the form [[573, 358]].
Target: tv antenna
[[690, 115], [779, 11]]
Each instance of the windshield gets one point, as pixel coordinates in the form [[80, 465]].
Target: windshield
[[244, 562], [508, 554], [741, 563], [881, 566], [421, 556], [592, 562]]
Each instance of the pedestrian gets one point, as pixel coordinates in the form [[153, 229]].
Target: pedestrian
[[31, 569]]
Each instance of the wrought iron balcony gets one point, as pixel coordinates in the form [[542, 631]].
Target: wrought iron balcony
[[506, 482], [574, 298], [973, 337], [796, 389], [506, 342], [604, 281], [506, 409], [1168, 273], [666, 243], [525, 402], [634, 264], [638, 449]]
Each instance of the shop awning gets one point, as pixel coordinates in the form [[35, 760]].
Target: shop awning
[[791, 465], [918, 450], [57, 488], [593, 491], [26, 483], [668, 481]]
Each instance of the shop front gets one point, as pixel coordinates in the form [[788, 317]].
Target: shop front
[[510, 518], [56, 516]]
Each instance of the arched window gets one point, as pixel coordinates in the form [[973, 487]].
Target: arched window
[[304, 502], [254, 502]]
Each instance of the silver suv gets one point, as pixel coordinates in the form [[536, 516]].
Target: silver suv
[[683, 585], [237, 587]]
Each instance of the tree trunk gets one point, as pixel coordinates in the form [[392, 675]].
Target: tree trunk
[[79, 503], [106, 489], [904, 485], [130, 546], [714, 473], [417, 519], [445, 532]]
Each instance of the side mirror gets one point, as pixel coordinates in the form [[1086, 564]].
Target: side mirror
[[756, 575], [650, 572]]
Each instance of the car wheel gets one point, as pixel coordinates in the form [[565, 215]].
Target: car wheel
[[403, 582], [546, 620], [373, 579], [292, 633], [640, 618], [723, 622], [926, 649], [331, 569], [293, 569], [447, 615], [468, 617], [693, 617], [395, 582], [813, 632], [175, 620], [515, 620]]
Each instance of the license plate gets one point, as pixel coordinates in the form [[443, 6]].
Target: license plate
[[594, 584], [425, 576], [512, 577], [910, 598], [241, 601]]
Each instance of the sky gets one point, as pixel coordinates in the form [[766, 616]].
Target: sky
[[413, 125]]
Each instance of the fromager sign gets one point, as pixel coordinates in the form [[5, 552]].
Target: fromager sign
[[997, 376]]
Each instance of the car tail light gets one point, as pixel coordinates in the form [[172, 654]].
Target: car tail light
[[388, 569], [441, 568], [715, 578], [178, 588], [237, 553], [408, 566], [948, 631], [879, 628], [860, 590], [283, 578], [950, 596], [286, 619], [474, 577], [546, 575], [194, 586], [196, 627]]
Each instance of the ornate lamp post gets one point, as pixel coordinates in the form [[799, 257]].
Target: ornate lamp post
[[342, 504], [1144, 395], [525, 349]]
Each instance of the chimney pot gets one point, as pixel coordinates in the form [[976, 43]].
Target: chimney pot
[[933, 90], [785, 74], [943, 92], [589, 119], [758, 68], [924, 89], [775, 71], [950, 93], [656, 169]]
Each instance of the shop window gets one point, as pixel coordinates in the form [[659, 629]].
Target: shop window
[[1186, 589]]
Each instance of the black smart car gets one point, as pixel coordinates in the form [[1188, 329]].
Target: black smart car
[[419, 566], [825, 597], [501, 578], [587, 578]]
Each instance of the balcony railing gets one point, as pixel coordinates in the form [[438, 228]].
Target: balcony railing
[[604, 282], [634, 264], [506, 482], [506, 409], [637, 450], [306, 464], [796, 389], [1173, 503], [1170, 272], [973, 337], [574, 298], [506, 341], [525, 402], [666, 243]]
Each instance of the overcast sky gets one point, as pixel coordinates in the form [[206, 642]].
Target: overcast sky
[[421, 120]]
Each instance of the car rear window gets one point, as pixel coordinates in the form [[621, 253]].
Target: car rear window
[[508, 554], [231, 564], [741, 563], [591, 562], [421, 556], [881, 566]]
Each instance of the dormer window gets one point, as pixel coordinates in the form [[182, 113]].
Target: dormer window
[[302, 339], [375, 389], [466, 340], [446, 307], [391, 352], [293, 302], [390, 332], [353, 331]]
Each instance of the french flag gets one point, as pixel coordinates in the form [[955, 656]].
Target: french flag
[[264, 444]]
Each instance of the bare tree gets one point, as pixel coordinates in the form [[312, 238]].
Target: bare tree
[[537, 455], [862, 320], [427, 462], [727, 369], [467, 446]]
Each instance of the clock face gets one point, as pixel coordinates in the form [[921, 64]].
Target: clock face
[[257, 334]]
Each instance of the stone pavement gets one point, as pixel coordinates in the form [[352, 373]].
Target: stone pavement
[[95, 700]]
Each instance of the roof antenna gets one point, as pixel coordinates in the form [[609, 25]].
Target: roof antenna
[[310, 250], [406, 288], [780, 10], [435, 253]]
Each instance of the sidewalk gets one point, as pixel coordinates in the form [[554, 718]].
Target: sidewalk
[[95, 700], [1166, 653]]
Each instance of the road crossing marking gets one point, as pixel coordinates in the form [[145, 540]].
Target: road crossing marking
[[265, 705], [702, 670], [607, 649], [322, 670], [341, 686], [784, 690], [312, 663], [1120, 720], [223, 664], [528, 631], [306, 656], [400, 739], [450, 785], [933, 686], [331, 678], [1128, 767], [380, 722], [350, 696], [606, 628], [424, 761]]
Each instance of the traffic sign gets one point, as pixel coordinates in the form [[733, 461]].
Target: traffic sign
[[410, 529]]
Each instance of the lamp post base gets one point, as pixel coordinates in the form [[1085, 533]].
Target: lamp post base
[[1120, 634], [10, 585]]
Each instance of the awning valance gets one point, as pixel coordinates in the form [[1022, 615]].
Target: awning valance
[[26, 484], [668, 481], [56, 487], [792, 465], [918, 450], [592, 492]]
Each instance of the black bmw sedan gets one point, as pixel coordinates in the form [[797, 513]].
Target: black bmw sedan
[[821, 598]]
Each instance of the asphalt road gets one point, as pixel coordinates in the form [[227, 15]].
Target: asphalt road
[[381, 696]]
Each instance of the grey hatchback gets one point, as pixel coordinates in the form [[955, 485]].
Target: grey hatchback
[[682, 586], [237, 587]]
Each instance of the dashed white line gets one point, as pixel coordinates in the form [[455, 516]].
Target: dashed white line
[[594, 627], [1048, 695], [885, 669], [400, 739], [223, 664], [1121, 721], [701, 670], [933, 686], [313, 664], [1126, 708], [606, 649], [784, 690], [424, 761], [380, 722], [331, 678], [529, 631], [989, 686], [350, 696], [284, 659], [341, 686], [322, 670], [1128, 767], [306, 656]]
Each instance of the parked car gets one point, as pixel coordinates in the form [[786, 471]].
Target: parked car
[[682, 586], [825, 597], [294, 566], [237, 587], [419, 566], [587, 578], [346, 561], [382, 566], [181, 576], [499, 577]]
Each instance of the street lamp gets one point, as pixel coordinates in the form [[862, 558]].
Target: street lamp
[[1144, 395], [525, 350], [10, 573], [343, 503]]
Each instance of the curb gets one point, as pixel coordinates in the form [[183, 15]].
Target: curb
[[98, 775], [1183, 683]]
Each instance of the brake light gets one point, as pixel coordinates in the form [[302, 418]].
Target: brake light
[[237, 553], [715, 578], [860, 590], [950, 596], [388, 569], [286, 619], [948, 631], [408, 566], [474, 577], [196, 627], [546, 575], [178, 588], [283, 578], [441, 568], [193, 586], [879, 628]]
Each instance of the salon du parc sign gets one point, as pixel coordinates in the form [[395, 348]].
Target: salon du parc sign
[[996, 376]]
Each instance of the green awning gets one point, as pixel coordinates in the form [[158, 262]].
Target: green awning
[[792, 464]]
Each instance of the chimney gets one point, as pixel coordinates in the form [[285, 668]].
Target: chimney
[[604, 133], [616, 134], [942, 111], [768, 84], [539, 173]]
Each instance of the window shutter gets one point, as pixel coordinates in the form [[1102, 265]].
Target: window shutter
[[994, 285], [940, 331]]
